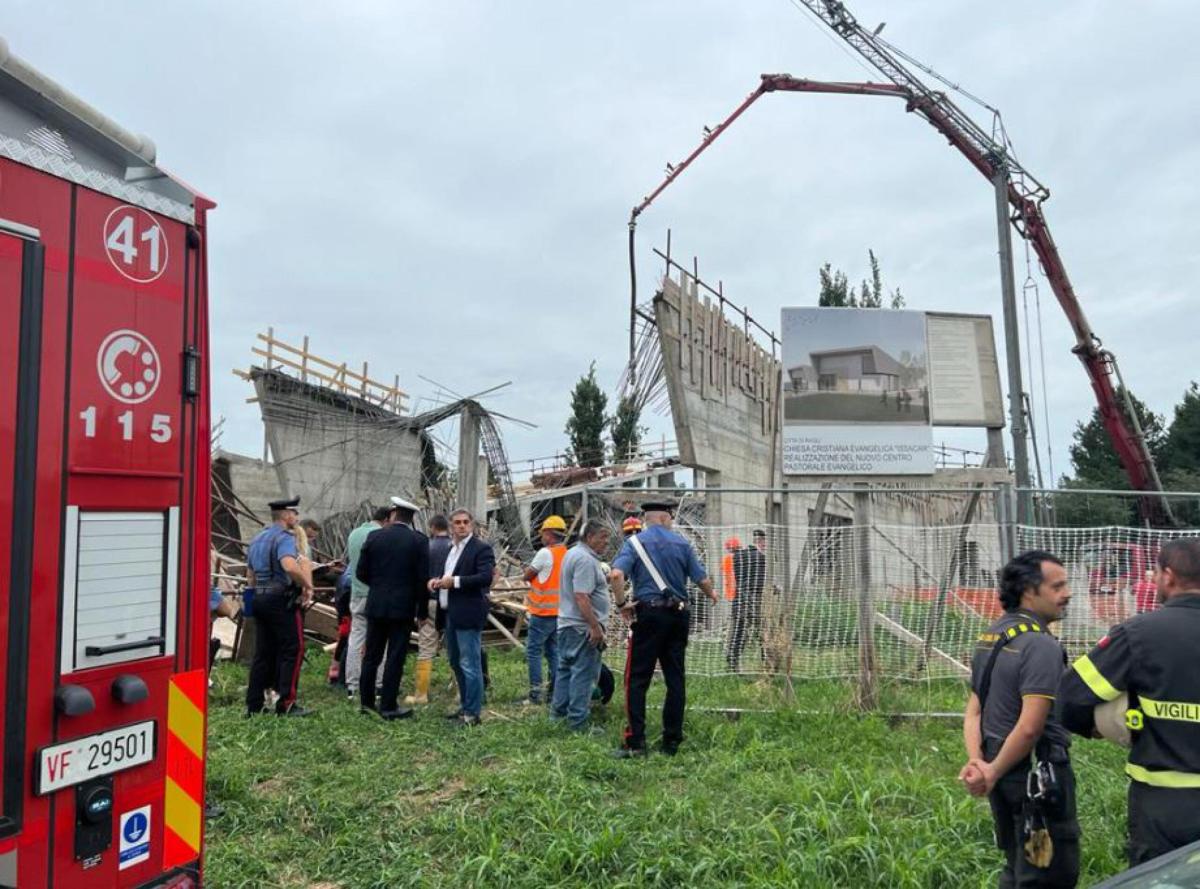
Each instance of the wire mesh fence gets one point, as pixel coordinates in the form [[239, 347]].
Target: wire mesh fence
[[886, 590]]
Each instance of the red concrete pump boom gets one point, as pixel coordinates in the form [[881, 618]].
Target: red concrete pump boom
[[1025, 196]]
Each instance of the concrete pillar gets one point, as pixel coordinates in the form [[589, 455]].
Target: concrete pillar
[[472, 479]]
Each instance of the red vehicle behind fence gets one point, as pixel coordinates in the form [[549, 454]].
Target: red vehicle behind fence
[[1117, 579], [104, 504]]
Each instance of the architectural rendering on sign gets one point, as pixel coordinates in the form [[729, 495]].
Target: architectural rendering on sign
[[855, 392]]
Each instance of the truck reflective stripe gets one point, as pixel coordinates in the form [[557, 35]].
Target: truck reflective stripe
[[1163, 778], [184, 798], [185, 720], [1181, 711], [1092, 678]]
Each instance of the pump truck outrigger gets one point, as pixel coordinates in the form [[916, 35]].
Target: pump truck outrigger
[[104, 499]]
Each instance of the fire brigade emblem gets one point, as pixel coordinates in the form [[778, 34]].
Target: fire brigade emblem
[[128, 366]]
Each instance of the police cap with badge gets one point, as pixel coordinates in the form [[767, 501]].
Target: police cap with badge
[[406, 505], [292, 503], [660, 506]]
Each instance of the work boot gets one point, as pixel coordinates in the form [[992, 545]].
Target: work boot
[[424, 670], [629, 753], [294, 710]]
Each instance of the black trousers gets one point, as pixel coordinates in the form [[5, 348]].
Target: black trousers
[[660, 636], [744, 621], [278, 645], [1008, 815], [1161, 819], [393, 635]]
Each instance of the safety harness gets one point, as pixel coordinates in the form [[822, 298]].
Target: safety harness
[[1043, 793]]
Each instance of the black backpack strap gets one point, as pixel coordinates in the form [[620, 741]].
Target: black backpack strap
[[985, 681], [1008, 635]]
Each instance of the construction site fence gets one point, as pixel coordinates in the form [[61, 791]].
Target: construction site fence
[[881, 592]]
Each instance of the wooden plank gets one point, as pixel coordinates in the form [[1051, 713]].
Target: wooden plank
[[905, 635], [504, 631], [307, 358]]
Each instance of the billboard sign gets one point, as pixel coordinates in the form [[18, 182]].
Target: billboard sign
[[964, 376], [856, 393]]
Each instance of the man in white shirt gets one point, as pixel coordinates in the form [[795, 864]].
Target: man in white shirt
[[463, 592], [543, 576]]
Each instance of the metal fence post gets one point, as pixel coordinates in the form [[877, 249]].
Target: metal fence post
[[785, 530], [583, 509], [1004, 521], [866, 605]]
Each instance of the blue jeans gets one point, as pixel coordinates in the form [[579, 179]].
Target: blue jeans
[[464, 648], [540, 638], [578, 670]]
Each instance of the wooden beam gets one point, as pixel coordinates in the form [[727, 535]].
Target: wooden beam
[[504, 631]]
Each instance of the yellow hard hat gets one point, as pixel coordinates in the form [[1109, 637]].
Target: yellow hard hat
[[554, 523]]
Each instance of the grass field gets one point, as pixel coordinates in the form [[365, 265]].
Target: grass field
[[768, 799]]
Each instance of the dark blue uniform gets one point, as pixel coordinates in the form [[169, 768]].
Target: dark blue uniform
[[279, 625], [1152, 658], [660, 632]]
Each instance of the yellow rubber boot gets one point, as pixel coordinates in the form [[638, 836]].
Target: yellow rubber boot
[[424, 670]]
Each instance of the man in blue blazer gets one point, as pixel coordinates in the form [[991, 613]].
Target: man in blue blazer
[[463, 594]]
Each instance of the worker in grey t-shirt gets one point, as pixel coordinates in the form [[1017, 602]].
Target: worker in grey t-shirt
[[1010, 719], [583, 609]]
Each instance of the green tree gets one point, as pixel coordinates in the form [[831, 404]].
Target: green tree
[[1092, 455], [585, 426], [836, 290], [623, 429], [1181, 451], [1092, 510]]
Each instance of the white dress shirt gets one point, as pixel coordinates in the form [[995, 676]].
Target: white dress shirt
[[456, 549]]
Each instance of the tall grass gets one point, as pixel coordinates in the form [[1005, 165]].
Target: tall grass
[[767, 799]]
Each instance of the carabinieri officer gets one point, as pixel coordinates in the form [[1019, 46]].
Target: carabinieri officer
[[281, 586], [659, 561]]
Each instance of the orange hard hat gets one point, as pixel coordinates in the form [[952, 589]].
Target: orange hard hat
[[631, 525]]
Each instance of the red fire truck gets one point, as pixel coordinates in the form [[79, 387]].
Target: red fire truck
[[104, 504]]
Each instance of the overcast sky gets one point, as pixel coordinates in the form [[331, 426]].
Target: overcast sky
[[442, 188]]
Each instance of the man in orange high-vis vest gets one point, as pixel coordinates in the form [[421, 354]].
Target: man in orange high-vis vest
[[543, 577]]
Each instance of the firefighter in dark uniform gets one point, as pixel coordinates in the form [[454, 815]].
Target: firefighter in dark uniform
[[1009, 719], [1151, 658], [281, 587], [659, 562]]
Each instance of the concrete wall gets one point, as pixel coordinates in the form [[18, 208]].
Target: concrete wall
[[724, 393], [334, 450], [254, 483]]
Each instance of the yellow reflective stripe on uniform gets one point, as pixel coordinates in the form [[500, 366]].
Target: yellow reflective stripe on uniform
[[1181, 711], [1101, 687], [1162, 778]]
